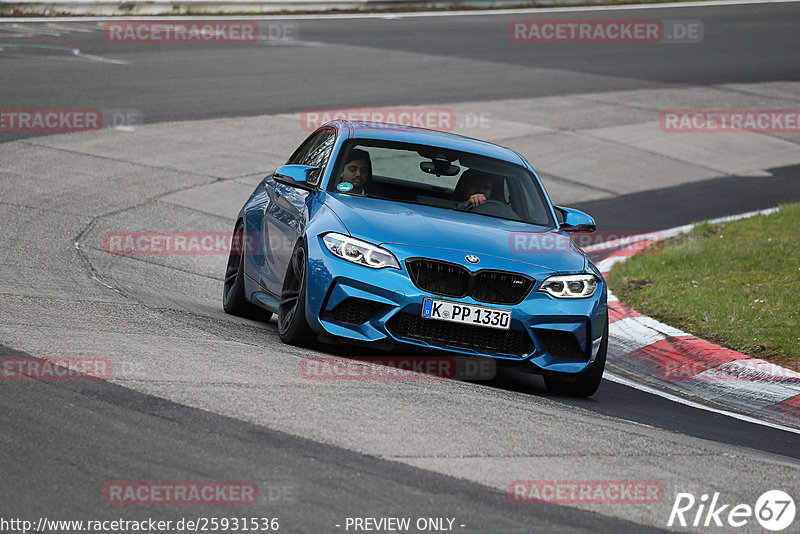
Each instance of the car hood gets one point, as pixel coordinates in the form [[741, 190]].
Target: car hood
[[384, 222]]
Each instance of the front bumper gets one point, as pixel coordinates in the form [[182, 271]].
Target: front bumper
[[383, 306]]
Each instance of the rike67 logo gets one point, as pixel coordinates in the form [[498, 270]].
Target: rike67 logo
[[774, 510]]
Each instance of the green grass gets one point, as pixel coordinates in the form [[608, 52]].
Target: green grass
[[735, 284]]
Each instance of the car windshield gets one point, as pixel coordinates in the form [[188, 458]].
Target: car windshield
[[441, 178]]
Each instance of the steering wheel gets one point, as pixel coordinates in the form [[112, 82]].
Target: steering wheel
[[495, 208], [488, 201]]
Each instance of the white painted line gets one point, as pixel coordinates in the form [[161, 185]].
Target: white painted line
[[611, 377], [389, 16], [73, 52], [19, 28], [731, 218], [670, 232]]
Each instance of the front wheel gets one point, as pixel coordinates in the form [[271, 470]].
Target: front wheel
[[293, 328], [588, 380]]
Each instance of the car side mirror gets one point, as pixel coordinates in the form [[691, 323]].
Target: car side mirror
[[575, 221], [295, 176]]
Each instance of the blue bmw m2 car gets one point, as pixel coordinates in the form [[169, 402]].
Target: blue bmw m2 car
[[399, 237]]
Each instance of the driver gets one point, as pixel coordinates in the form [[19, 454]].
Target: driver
[[357, 171], [473, 189]]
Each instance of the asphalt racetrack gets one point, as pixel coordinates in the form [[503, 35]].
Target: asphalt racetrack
[[198, 395]]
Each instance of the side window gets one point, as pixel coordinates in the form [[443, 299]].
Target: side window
[[300, 153], [315, 151]]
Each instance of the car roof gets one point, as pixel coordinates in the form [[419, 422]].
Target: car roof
[[422, 136]]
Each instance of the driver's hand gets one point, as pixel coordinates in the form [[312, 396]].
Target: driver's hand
[[475, 200]]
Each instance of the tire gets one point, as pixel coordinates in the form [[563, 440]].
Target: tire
[[293, 328], [588, 380], [233, 299]]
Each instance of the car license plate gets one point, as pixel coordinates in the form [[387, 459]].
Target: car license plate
[[458, 312]]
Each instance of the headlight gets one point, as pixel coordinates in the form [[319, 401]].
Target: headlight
[[359, 252], [570, 286]]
